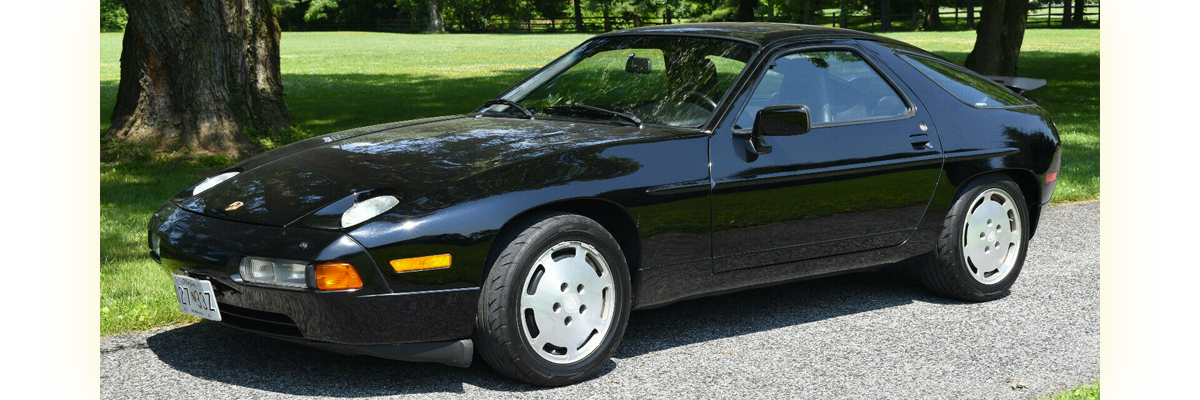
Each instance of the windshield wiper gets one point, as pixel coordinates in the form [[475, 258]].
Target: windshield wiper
[[586, 109], [510, 103]]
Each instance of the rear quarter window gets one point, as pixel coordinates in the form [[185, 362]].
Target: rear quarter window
[[966, 86]]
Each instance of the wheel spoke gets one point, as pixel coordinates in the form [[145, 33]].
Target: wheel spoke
[[554, 331], [1002, 268], [572, 351], [982, 272]]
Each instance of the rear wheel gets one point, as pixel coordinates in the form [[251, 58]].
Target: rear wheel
[[555, 303], [983, 242]]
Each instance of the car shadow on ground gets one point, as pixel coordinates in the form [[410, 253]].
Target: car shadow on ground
[[218, 353]]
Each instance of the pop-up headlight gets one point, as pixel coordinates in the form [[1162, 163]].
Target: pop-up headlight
[[368, 209], [212, 181]]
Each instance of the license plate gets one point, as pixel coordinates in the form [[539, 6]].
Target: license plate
[[196, 297]]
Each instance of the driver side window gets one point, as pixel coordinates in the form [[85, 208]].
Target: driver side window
[[836, 85]]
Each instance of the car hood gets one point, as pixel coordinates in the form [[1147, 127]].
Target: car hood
[[405, 160]]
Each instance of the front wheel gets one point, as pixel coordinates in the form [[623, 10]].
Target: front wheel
[[983, 242], [555, 303]]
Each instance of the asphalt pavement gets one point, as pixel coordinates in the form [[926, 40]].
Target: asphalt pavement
[[870, 335]]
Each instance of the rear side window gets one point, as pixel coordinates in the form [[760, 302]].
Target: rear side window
[[964, 85]]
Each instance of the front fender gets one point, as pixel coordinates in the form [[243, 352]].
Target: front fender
[[464, 217]]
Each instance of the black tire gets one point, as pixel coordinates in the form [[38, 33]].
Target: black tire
[[499, 333], [949, 272]]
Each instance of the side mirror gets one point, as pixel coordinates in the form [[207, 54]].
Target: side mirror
[[785, 120], [637, 65]]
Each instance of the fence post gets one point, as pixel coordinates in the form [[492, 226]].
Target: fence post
[[956, 18]]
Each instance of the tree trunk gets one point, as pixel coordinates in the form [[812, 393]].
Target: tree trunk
[[1079, 9], [998, 39], [933, 20], [745, 11], [436, 24], [578, 16], [1066, 14], [607, 21], [843, 18], [885, 15], [807, 11], [970, 15], [668, 15], [199, 75]]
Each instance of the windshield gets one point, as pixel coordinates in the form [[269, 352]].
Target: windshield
[[661, 80]]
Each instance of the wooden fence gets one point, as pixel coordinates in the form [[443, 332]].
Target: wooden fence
[[1049, 16], [590, 24]]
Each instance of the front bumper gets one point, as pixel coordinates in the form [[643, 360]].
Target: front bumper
[[371, 320]]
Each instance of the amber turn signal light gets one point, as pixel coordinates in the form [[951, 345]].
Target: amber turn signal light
[[337, 276], [421, 263]]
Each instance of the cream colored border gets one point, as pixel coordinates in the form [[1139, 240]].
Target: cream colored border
[[1132, 264], [67, 200]]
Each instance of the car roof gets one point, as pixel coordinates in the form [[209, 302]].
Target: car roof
[[761, 33]]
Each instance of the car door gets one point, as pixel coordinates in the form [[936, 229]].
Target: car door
[[860, 179]]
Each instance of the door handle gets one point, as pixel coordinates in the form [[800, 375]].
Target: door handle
[[921, 142]]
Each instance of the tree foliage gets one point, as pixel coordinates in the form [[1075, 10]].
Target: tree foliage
[[480, 15], [473, 15], [550, 9], [113, 16]]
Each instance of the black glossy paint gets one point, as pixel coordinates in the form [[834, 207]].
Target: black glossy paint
[[837, 189], [695, 211]]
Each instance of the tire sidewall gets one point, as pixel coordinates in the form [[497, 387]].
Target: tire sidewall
[[525, 259], [960, 211]]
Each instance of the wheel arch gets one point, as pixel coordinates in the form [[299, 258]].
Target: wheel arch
[[1026, 180], [611, 216]]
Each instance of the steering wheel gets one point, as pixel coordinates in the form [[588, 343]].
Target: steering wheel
[[701, 100]]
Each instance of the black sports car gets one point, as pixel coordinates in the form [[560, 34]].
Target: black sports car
[[644, 167]]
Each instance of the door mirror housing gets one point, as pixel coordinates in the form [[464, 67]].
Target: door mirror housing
[[784, 120]]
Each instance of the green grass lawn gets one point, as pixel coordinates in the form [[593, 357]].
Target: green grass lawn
[[341, 80], [1081, 392]]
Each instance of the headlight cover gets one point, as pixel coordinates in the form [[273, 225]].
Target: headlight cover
[[212, 181], [368, 209]]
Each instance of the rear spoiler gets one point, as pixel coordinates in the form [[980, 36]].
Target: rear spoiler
[[1018, 84]]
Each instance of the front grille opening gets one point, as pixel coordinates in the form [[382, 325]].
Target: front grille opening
[[259, 321]]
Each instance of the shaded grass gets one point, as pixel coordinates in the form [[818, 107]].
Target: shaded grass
[[135, 294], [341, 80]]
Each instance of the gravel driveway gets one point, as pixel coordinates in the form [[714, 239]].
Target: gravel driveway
[[866, 335]]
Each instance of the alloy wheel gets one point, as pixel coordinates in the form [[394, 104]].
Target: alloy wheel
[[992, 236], [567, 302]]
